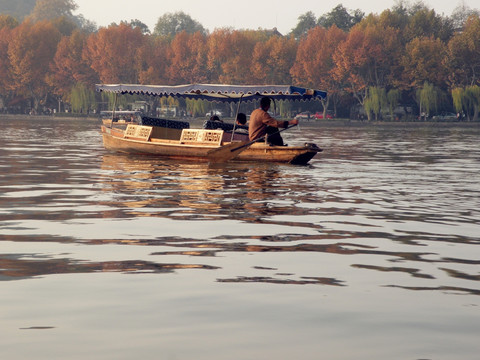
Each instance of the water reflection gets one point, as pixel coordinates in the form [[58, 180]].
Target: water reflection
[[19, 266], [399, 206], [191, 189]]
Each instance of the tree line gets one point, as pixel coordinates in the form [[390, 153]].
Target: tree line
[[369, 64]]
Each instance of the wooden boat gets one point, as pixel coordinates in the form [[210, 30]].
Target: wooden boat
[[175, 139]]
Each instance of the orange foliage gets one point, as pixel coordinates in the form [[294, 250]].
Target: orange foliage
[[273, 59], [314, 63], [112, 53], [423, 61], [188, 53], [69, 67], [152, 61], [35, 59], [230, 56], [463, 51], [5, 69], [31, 50], [367, 58]]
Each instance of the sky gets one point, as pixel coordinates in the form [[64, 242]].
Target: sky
[[246, 14]]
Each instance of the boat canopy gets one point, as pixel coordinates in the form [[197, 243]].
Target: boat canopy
[[217, 92]]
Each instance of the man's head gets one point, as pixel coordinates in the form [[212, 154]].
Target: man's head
[[265, 103], [241, 119]]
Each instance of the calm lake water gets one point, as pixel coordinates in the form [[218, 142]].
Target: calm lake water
[[370, 252]]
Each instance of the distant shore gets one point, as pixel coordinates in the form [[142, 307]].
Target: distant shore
[[49, 117], [198, 122]]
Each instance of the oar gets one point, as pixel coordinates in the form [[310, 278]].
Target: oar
[[229, 151]]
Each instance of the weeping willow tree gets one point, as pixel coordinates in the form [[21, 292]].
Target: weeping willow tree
[[82, 99], [285, 108], [459, 100], [467, 100], [472, 93], [169, 106], [393, 98], [119, 103], [196, 107], [375, 101], [428, 97]]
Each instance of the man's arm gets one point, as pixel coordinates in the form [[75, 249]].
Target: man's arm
[[270, 121]]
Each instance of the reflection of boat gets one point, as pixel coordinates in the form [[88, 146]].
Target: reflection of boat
[[175, 139], [152, 184]]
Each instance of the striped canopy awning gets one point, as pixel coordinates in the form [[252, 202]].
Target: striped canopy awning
[[217, 92]]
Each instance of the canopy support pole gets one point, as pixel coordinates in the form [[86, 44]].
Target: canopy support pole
[[113, 110], [236, 116]]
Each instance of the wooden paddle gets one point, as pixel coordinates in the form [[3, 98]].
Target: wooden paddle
[[229, 151]]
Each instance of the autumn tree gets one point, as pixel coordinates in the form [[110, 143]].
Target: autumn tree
[[230, 55], [112, 53], [367, 58], [273, 59], [424, 61], [463, 58], [153, 61], [69, 67], [315, 63], [7, 24], [187, 58], [219, 46], [31, 50]]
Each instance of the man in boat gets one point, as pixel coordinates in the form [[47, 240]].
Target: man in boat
[[215, 118], [241, 119], [262, 124]]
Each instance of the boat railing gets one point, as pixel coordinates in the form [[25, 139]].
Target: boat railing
[[201, 137], [138, 132]]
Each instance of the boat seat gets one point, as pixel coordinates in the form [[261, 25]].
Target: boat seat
[[165, 123], [212, 125]]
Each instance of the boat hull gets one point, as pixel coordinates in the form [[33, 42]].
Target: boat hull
[[298, 155], [114, 140]]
